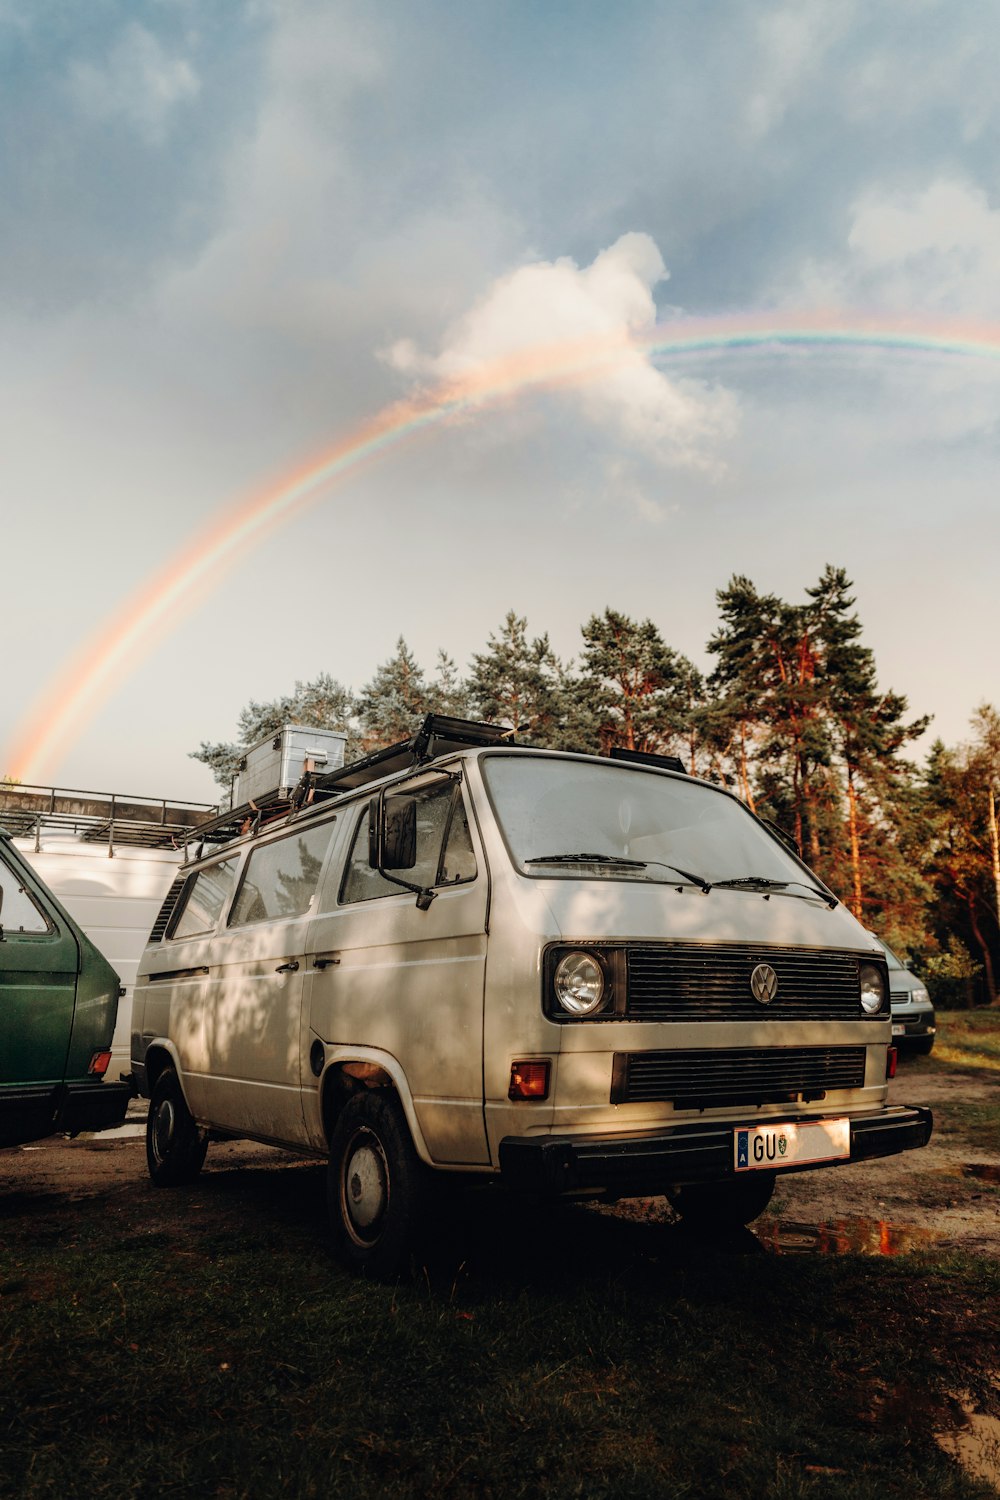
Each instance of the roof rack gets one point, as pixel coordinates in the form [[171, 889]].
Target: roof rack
[[114, 819], [646, 758], [439, 734]]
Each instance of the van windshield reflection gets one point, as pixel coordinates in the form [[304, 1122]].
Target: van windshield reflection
[[608, 822]]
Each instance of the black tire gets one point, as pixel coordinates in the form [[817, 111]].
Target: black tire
[[922, 1047], [376, 1187], [723, 1205], [175, 1147]]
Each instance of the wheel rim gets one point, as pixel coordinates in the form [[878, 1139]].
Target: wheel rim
[[364, 1188], [163, 1129]]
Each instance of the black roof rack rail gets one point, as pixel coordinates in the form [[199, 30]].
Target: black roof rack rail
[[439, 734], [647, 758]]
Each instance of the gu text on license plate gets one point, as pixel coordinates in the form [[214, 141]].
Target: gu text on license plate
[[769, 1146]]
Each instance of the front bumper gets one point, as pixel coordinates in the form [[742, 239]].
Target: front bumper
[[650, 1162]]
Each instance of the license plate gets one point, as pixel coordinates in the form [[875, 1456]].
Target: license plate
[[898, 1029], [760, 1147]]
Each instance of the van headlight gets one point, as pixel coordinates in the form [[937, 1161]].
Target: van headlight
[[578, 983], [872, 990]]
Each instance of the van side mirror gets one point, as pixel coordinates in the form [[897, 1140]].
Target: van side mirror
[[392, 833]]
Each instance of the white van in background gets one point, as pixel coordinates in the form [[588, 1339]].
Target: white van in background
[[109, 859], [561, 973]]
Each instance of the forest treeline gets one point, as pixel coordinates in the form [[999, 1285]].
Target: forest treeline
[[791, 717]]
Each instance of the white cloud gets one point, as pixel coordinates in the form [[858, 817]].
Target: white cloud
[[551, 302], [140, 83], [935, 251], [793, 43]]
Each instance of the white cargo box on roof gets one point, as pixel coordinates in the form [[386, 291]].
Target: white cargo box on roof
[[276, 764]]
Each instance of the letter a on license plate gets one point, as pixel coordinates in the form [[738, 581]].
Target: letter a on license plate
[[767, 1147]]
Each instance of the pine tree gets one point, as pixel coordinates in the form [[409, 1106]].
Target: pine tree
[[958, 783], [449, 694], [391, 706], [640, 687], [517, 681], [867, 730]]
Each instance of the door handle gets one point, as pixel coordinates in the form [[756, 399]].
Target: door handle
[[325, 963], [289, 968]]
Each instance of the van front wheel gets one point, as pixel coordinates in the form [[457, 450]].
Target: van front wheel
[[375, 1186], [723, 1205], [175, 1147]]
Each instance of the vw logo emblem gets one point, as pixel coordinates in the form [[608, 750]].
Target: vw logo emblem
[[764, 984]]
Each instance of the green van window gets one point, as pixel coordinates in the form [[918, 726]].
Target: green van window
[[19, 911]]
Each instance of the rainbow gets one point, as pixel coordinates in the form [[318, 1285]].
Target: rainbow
[[92, 672]]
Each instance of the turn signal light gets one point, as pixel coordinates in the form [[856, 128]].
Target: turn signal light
[[529, 1080], [891, 1058], [99, 1063]]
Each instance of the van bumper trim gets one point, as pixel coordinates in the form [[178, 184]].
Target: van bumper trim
[[93, 1106], [650, 1161]]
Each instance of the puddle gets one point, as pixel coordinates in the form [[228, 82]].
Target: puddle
[[974, 1441], [982, 1171], [841, 1237]]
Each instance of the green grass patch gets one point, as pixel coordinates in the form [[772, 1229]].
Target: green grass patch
[[220, 1352], [968, 1039]]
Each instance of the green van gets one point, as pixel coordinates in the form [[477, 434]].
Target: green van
[[58, 1002]]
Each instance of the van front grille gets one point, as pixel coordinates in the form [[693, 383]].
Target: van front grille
[[711, 982], [712, 1078]]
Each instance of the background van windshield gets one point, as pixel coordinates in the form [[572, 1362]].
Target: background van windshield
[[548, 807]]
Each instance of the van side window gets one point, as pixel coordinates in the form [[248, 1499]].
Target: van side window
[[280, 877], [444, 847], [19, 912], [206, 896]]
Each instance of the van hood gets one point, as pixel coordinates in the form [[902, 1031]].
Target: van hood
[[610, 910]]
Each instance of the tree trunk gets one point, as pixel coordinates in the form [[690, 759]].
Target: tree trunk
[[970, 902], [852, 814], [744, 770]]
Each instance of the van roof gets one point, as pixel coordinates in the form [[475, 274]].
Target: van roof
[[439, 735]]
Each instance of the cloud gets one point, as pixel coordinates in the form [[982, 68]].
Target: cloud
[[550, 302], [793, 47], [932, 251], [140, 83]]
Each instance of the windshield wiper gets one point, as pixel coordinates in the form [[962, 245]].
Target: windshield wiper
[[620, 861], [586, 859], [698, 880], [765, 883]]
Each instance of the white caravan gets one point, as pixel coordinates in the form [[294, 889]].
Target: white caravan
[[109, 859]]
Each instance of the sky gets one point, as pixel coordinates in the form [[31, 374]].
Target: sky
[[274, 279]]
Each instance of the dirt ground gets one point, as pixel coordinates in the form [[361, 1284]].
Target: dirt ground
[[940, 1196]]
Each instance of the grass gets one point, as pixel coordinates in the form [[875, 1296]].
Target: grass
[[224, 1354], [968, 1039], [201, 1341]]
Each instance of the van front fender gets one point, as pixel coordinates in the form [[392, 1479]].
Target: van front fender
[[369, 1067]]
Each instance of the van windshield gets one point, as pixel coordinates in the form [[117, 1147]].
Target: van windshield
[[611, 822]]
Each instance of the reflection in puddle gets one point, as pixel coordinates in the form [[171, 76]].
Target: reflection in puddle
[[841, 1237], [974, 1441]]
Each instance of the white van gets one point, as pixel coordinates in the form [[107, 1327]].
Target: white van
[[568, 974]]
